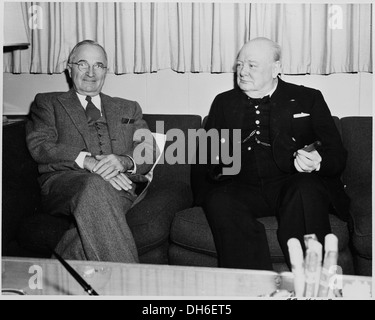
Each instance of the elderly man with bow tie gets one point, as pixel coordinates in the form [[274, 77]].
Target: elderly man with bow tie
[[277, 177]]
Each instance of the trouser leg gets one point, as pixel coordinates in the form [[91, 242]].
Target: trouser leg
[[240, 239], [99, 211], [70, 246], [303, 208]]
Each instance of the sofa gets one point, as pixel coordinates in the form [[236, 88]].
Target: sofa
[[167, 228], [27, 231]]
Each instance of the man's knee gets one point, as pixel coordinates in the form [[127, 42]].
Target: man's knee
[[304, 183], [93, 182], [94, 187]]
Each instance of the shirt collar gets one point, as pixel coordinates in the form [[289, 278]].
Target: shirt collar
[[273, 90], [95, 100]]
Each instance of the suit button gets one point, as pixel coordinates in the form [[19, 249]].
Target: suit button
[[257, 122], [249, 148], [257, 112], [258, 132]]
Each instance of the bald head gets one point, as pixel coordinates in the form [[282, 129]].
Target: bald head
[[264, 45], [258, 65]]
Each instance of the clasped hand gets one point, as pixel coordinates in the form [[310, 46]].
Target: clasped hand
[[111, 168], [307, 161]]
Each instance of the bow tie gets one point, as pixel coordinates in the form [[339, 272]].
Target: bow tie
[[259, 101]]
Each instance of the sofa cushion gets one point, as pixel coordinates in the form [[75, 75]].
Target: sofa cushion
[[191, 230], [362, 222], [363, 266], [151, 219], [181, 256]]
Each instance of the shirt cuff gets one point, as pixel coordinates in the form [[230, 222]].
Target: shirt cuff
[[81, 158], [134, 170]]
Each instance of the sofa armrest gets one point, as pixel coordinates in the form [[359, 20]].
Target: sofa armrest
[[357, 139], [20, 189]]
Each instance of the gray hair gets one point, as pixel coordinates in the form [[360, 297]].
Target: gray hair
[[276, 51], [86, 42]]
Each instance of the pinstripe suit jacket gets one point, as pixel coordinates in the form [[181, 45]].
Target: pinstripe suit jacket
[[57, 132]]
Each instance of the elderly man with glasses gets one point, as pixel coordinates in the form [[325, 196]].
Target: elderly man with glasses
[[85, 145]]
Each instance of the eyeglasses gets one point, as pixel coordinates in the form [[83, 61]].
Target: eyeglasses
[[84, 66]]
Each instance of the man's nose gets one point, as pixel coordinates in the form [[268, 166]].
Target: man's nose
[[245, 70], [90, 71]]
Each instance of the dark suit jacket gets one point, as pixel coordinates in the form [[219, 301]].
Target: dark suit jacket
[[57, 132], [289, 131]]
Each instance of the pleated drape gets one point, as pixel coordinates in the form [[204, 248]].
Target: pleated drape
[[196, 37]]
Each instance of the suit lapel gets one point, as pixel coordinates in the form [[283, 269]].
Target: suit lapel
[[73, 107], [112, 112], [281, 130], [281, 110]]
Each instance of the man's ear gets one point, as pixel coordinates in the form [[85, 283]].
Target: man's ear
[[69, 68], [276, 69]]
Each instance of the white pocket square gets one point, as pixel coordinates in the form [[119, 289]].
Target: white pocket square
[[301, 115]]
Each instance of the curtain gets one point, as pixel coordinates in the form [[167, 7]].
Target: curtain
[[196, 37], [317, 38]]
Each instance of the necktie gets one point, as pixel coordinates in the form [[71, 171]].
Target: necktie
[[92, 112]]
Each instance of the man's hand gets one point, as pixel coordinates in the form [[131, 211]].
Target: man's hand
[[121, 182], [109, 166], [307, 161], [89, 163]]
